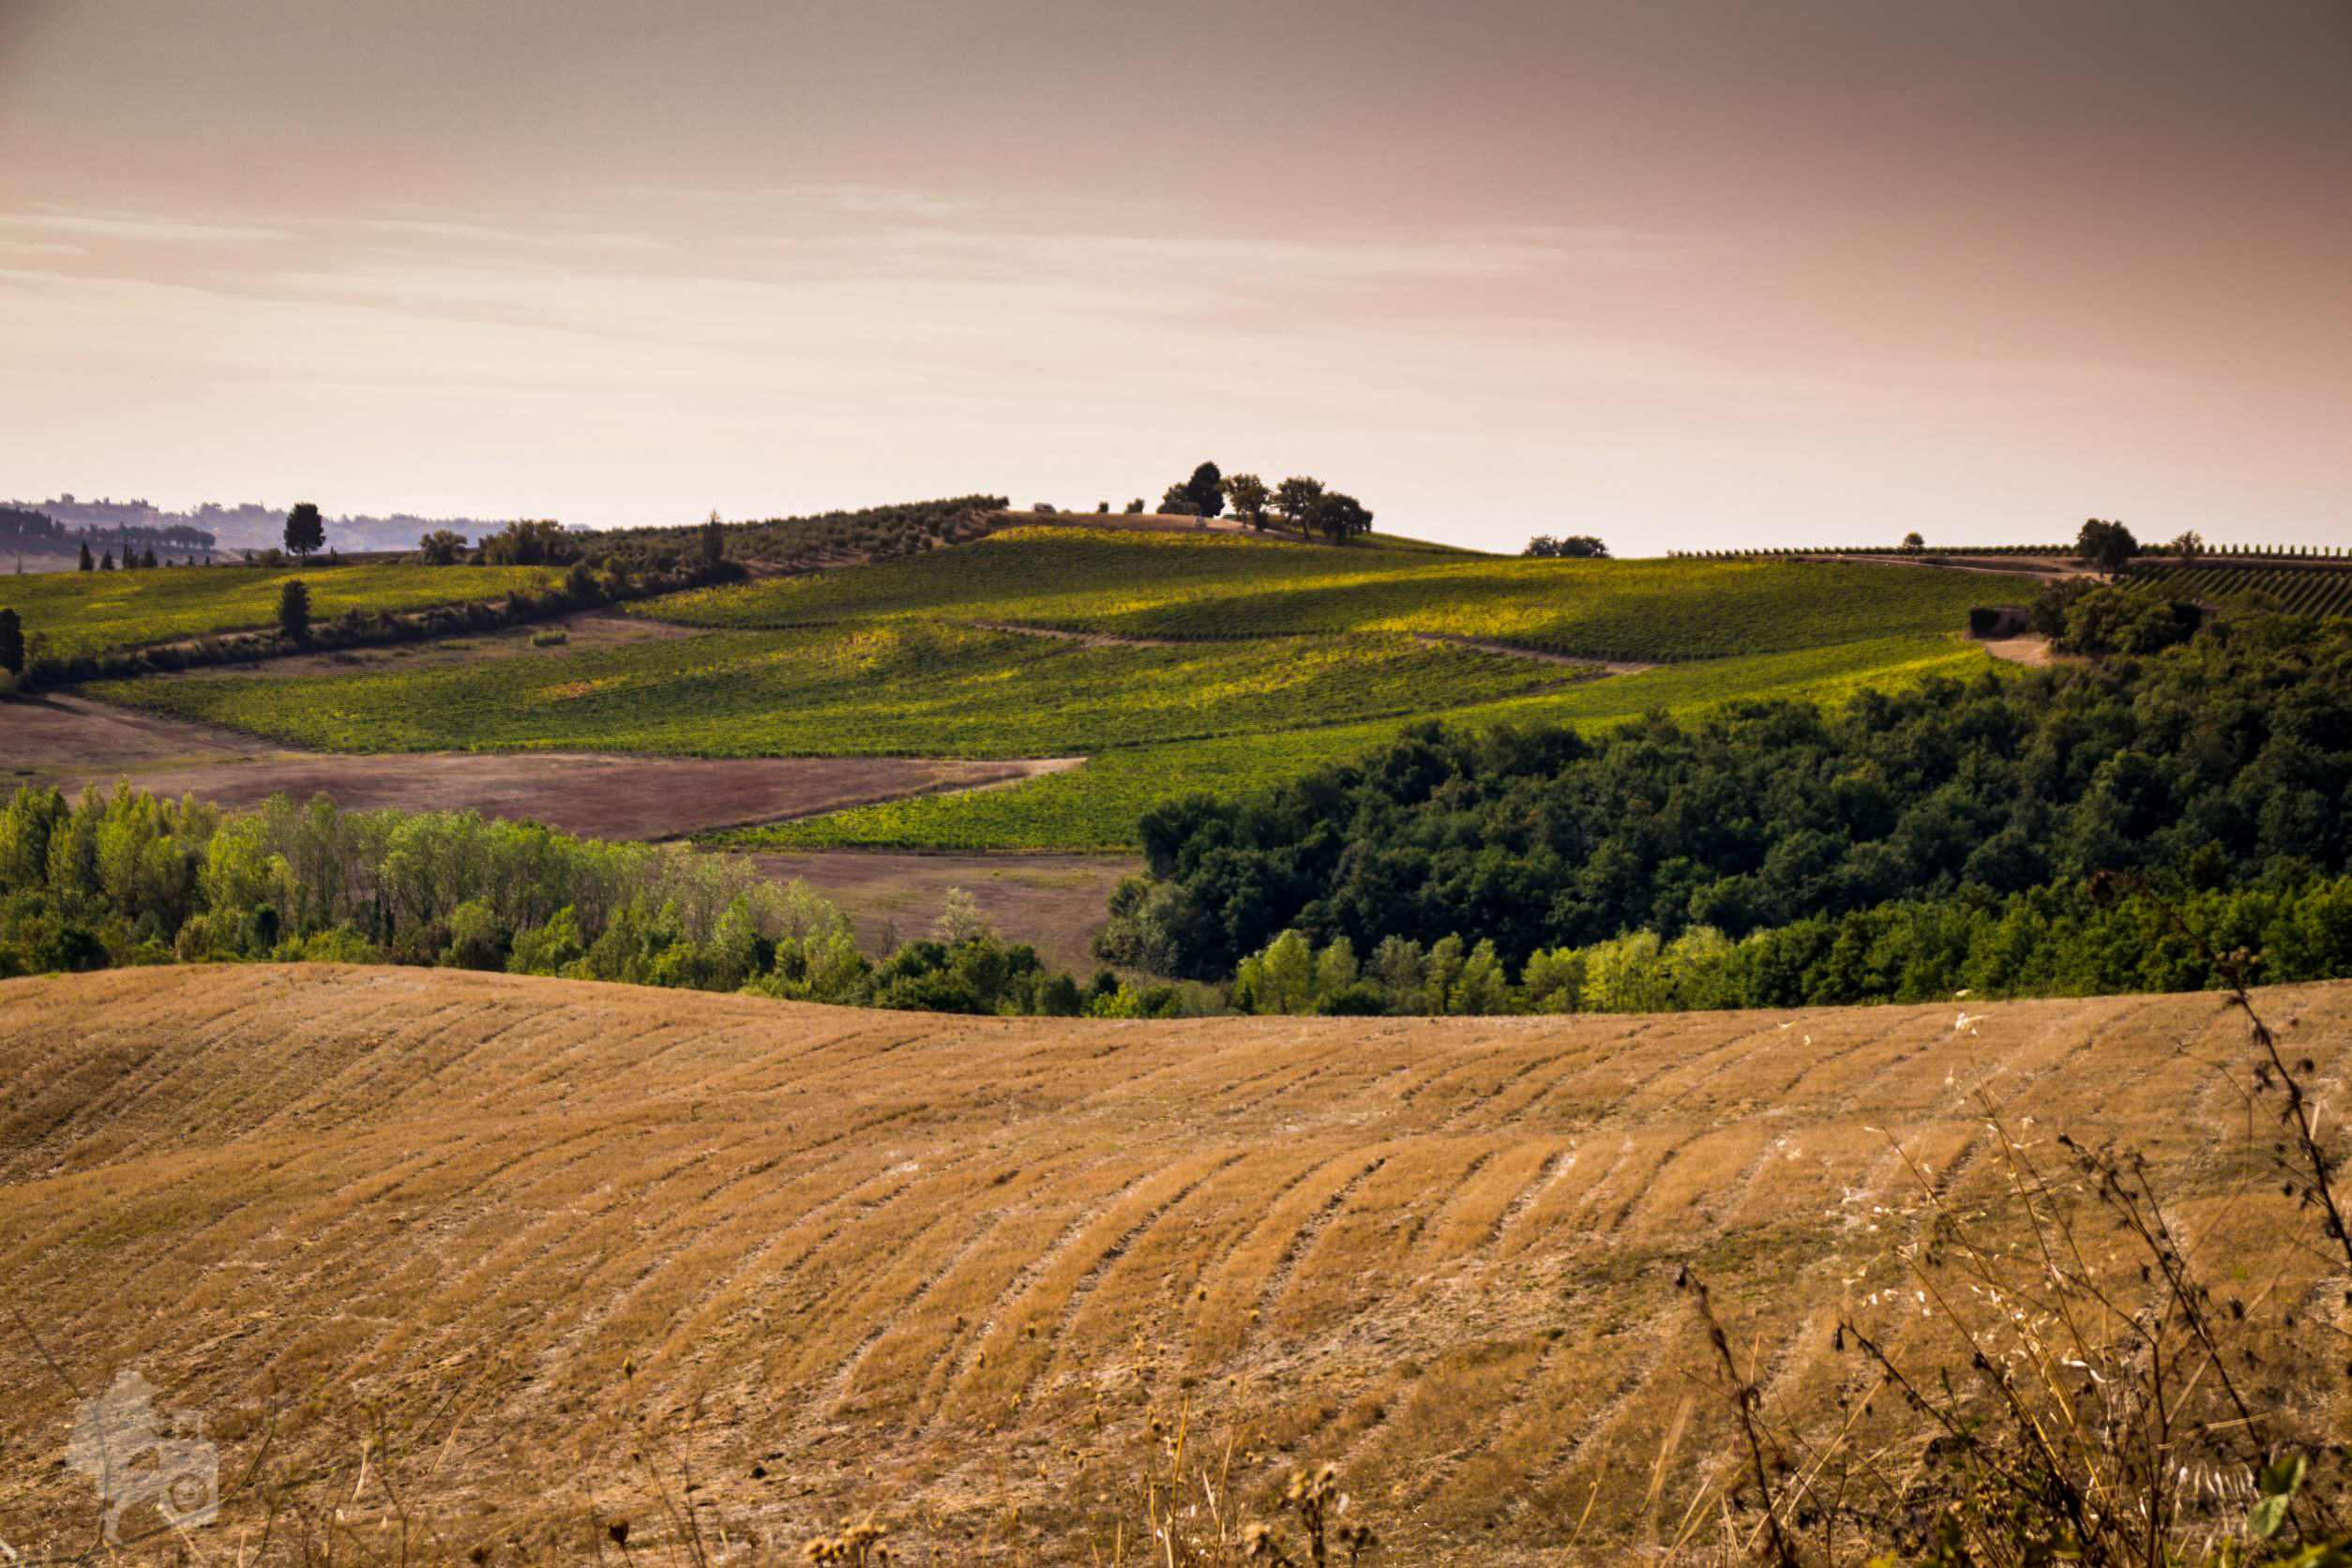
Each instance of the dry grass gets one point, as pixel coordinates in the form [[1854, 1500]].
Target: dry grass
[[559, 1258]]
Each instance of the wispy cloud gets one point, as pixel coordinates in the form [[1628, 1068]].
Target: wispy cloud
[[547, 232], [158, 227]]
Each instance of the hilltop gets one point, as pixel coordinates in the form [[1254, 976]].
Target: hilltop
[[576, 1248]]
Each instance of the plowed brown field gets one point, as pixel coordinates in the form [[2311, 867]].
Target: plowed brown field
[[580, 1247]]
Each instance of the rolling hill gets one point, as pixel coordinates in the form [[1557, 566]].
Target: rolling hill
[[77, 613], [455, 1262], [1171, 661], [1211, 585]]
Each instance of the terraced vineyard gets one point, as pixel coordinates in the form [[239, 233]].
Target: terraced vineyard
[[86, 612], [567, 1249], [1181, 586], [2301, 591], [898, 688]]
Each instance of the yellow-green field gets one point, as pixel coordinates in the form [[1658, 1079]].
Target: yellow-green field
[[69, 613], [1182, 586]]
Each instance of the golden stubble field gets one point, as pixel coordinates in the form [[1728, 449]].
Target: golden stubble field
[[490, 1264]]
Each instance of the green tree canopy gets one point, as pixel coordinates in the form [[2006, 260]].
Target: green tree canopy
[[2106, 547], [305, 530], [294, 610], [1205, 489], [1339, 516], [1294, 496], [1248, 495]]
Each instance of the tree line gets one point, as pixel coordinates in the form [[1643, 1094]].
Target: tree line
[[2223, 759], [129, 878], [2054, 941], [1303, 504]]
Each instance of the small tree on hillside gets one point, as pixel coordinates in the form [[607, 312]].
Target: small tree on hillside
[[1294, 496], [1339, 516], [1205, 489], [293, 610], [86, 562], [12, 643], [147, 558], [1914, 540], [1248, 496], [1135, 507], [106, 561], [305, 530], [714, 540], [2108, 547], [441, 548], [2189, 545]]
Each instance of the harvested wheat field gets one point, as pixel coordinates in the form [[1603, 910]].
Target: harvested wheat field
[[560, 1257]]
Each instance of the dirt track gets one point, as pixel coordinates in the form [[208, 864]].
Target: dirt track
[[74, 741]]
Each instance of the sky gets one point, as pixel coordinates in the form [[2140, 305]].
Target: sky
[[1684, 274]]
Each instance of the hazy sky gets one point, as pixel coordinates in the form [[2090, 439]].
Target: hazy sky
[[1682, 272]]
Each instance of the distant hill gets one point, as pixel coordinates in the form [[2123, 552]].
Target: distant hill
[[212, 526]]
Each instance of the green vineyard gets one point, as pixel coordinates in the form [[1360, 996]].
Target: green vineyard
[[2297, 590], [1181, 586], [890, 689], [1098, 805], [69, 613]]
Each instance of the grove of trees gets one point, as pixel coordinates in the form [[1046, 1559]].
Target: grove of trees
[[2223, 761], [1575, 546], [2106, 547], [127, 878], [1302, 504]]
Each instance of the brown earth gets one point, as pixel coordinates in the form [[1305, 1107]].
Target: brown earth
[[452, 1261], [1054, 902], [2020, 650], [74, 741]]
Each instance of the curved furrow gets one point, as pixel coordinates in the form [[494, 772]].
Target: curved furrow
[[963, 1352], [910, 1337], [1470, 1227], [1029, 1357]]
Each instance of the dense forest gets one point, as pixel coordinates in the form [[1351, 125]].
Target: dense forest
[[1948, 820], [129, 879]]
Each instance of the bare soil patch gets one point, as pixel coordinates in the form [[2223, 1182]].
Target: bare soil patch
[[2021, 650], [72, 741], [57, 733], [1054, 902]]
